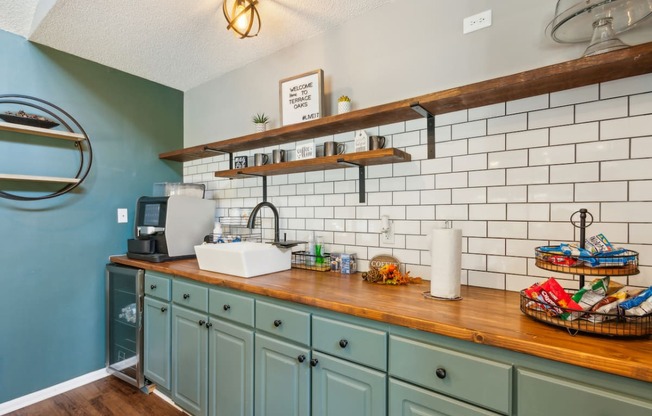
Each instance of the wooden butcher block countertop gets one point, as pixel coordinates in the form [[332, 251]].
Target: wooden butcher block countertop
[[484, 316]]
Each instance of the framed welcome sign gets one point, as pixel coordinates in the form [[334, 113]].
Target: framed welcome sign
[[301, 97]]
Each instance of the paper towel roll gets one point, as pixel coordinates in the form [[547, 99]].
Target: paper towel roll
[[446, 260]]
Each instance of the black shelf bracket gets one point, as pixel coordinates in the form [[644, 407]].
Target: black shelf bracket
[[431, 127], [361, 177], [222, 152], [240, 173]]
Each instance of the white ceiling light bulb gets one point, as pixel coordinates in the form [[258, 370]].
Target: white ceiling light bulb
[[242, 16]]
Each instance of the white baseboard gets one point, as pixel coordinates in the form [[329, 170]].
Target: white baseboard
[[37, 396]]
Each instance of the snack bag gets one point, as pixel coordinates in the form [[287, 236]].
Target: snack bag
[[556, 299], [589, 295], [598, 244], [638, 305], [607, 308]]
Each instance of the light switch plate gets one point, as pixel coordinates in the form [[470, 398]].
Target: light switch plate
[[123, 215]]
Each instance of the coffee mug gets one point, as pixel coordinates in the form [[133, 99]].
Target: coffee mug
[[376, 142], [333, 148], [260, 159], [278, 156]]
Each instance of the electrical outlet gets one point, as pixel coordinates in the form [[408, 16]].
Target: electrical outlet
[[388, 236], [477, 21], [123, 215]]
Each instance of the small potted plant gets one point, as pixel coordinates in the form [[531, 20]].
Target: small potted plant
[[260, 120], [343, 104]]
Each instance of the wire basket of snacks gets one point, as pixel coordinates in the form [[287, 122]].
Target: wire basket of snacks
[[570, 258], [602, 307], [308, 261]]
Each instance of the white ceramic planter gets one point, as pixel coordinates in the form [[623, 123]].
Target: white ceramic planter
[[343, 107], [260, 127]]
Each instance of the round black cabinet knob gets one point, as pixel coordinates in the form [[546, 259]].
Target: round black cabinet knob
[[209, 325], [186, 295], [277, 323], [344, 343], [226, 307], [440, 373], [301, 358], [201, 322], [314, 362], [152, 287], [164, 308]]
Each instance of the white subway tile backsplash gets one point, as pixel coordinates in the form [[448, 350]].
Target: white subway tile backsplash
[[487, 212], [420, 182], [451, 148], [640, 104], [497, 194], [494, 246], [528, 104], [451, 180], [527, 139], [601, 191], [324, 188], [488, 111], [417, 242], [344, 238], [338, 174], [578, 172], [507, 229], [603, 150], [315, 200], [493, 177], [640, 191], [558, 116], [416, 124], [392, 184], [505, 264], [563, 212], [486, 279], [528, 212], [626, 86], [523, 176], [487, 144], [451, 118], [394, 128], [438, 165], [601, 110], [554, 231], [469, 129], [317, 176], [523, 248], [470, 162], [553, 155], [344, 187], [640, 233], [626, 127], [550, 193], [410, 138], [407, 169], [616, 233], [508, 159], [345, 212], [407, 227], [474, 261], [626, 169], [420, 212], [379, 198], [641, 147], [575, 95], [469, 196], [507, 124], [575, 133], [443, 134], [407, 197], [626, 212], [395, 212]]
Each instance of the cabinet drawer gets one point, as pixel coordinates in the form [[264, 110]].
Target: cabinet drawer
[[408, 400], [283, 322], [190, 295], [157, 285], [476, 380], [542, 394], [352, 342], [230, 306]]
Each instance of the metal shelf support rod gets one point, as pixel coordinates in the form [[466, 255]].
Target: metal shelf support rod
[[430, 118], [222, 152], [361, 177]]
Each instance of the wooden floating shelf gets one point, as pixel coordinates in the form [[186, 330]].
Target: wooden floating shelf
[[636, 60], [32, 178], [372, 157], [38, 131]]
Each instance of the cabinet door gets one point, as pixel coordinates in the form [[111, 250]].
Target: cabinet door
[[341, 388], [157, 342], [543, 394], [408, 400], [231, 372], [282, 378], [190, 360]]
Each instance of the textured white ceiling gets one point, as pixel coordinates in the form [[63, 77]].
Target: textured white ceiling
[[178, 43]]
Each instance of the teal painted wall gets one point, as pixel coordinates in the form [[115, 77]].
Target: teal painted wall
[[53, 252]]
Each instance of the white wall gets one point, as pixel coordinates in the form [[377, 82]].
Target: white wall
[[509, 174]]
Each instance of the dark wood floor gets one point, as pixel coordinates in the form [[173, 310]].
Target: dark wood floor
[[108, 396]]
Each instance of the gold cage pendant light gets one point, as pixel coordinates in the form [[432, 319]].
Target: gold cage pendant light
[[242, 17]]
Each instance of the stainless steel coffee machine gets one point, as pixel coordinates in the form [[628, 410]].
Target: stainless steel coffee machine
[[168, 227]]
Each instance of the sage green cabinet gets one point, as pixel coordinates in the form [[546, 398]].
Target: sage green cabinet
[[282, 378], [541, 394], [231, 369], [342, 388], [408, 400], [157, 341], [190, 360]]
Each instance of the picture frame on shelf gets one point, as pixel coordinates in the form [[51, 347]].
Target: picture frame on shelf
[[239, 162], [301, 97]]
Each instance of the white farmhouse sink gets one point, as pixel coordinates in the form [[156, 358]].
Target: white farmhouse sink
[[245, 259]]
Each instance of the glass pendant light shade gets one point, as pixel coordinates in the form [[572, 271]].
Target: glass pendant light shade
[[242, 17], [599, 21]]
